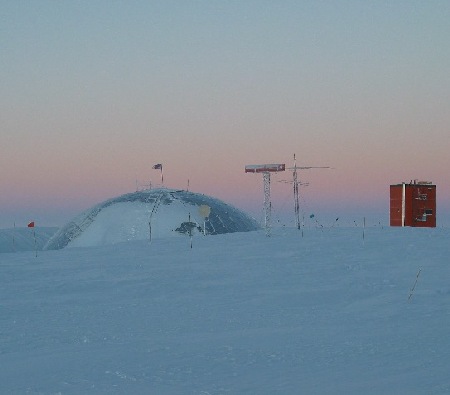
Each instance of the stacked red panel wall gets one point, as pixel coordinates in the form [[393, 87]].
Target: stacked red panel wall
[[417, 207], [424, 205], [409, 218], [395, 212]]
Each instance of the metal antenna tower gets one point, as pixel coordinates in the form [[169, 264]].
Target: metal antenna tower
[[296, 195], [267, 202], [266, 170], [295, 182]]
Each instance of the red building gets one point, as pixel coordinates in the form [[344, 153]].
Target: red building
[[413, 204]]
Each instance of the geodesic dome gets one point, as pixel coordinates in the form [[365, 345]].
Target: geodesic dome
[[163, 212]]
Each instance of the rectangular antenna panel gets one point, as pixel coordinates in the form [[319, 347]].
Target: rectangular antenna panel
[[265, 168]]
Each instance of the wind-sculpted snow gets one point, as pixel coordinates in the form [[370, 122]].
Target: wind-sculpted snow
[[152, 213], [239, 313], [23, 239]]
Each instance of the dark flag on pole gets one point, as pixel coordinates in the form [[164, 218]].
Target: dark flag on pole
[[31, 225], [159, 166]]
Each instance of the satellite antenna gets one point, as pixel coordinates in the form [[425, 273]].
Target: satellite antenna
[[295, 182], [266, 170]]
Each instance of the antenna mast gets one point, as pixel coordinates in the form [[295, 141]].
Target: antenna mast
[[296, 197], [266, 170], [295, 184]]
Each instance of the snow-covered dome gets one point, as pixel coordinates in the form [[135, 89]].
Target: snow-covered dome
[[156, 212]]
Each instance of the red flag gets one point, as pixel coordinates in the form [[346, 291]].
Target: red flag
[[31, 224], [157, 166]]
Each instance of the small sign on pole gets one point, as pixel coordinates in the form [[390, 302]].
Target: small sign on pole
[[204, 211]]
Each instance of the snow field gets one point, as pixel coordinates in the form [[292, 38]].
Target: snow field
[[238, 313]]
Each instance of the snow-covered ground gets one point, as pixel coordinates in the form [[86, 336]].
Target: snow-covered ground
[[239, 313], [23, 239]]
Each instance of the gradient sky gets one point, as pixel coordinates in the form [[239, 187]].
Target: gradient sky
[[93, 93]]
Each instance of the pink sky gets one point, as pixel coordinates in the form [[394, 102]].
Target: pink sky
[[92, 99]]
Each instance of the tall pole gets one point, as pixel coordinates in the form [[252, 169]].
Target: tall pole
[[296, 184], [160, 167], [154, 209], [13, 237], [35, 242], [403, 204], [190, 229], [296, 198], [267, 205]]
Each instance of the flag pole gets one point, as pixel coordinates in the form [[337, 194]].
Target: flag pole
[[150, 229], [35, 243], [190, 229], [31, 225], [13, 237], [160, 167]]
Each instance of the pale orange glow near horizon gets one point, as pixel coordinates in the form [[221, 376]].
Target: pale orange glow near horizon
[[205, 89]]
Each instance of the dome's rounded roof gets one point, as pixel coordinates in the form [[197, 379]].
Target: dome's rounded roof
[[163, 212]]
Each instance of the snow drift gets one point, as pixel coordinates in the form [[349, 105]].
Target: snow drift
[[239, 313], [155, 213], [23, 239]]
